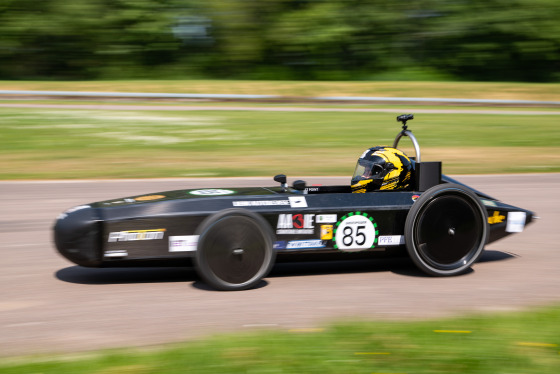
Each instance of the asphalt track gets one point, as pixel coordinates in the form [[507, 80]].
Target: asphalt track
[[49, 305]]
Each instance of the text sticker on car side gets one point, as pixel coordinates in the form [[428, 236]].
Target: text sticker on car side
[[211, 192], [297, 201], [149, 197], [516, 221], [388, 240], [305, 244], [183, 243], [355, 232], [326, 218]]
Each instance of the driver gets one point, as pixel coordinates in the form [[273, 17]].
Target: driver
[[382, 168]]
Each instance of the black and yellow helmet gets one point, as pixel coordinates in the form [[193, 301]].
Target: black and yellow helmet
[[382, 168]]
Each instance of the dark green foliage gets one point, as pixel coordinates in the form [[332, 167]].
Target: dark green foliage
[[515, 40]]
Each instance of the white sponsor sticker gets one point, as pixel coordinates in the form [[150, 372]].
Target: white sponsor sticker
[[386, 240], [184, 243], [134, 235], [295, 231], [516, 221], [297, 202], [261, 203], [295, 224], [326, 218], [114, 202], [489, 203], [301, 244], [211, 192], [118, 253]]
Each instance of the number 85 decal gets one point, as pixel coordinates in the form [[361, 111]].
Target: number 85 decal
[[355, 232]]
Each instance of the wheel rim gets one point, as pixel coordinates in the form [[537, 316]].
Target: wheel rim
[[235, 252], [449, 231]]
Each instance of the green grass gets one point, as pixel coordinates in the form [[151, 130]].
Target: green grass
[[474, 90], [74, 143], [521, 342]]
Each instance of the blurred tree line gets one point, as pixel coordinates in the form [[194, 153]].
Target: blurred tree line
[[512, 40]]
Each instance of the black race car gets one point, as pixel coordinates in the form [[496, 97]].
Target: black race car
[[395, 204]]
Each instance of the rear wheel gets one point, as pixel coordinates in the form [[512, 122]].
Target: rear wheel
[[446, 230], [235, 250]]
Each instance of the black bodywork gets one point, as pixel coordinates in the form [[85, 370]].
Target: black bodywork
[[442, 224]]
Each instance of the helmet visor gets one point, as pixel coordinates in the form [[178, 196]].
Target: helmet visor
[[367, 169]]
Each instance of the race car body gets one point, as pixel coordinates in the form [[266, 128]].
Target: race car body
[[233, 235]]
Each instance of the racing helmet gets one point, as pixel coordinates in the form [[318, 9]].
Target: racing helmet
[[382, 168]]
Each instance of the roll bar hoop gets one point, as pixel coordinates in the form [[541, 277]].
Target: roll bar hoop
[[405, 132]]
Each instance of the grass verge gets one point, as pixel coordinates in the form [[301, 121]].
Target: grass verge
[[520, 342], [77, 143]]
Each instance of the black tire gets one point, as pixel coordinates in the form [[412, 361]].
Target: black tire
[[446, 230], [235, 250]]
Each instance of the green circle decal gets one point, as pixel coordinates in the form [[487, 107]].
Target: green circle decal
[[354, 232]]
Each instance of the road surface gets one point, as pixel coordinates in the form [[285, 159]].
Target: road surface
[[49, 305]]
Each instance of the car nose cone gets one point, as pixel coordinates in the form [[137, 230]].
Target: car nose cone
[[77, 236]]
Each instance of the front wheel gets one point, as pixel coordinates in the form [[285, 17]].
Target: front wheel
[[235, 250], [446, 230]]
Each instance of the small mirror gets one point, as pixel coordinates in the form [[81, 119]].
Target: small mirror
[[299, 185], [280, 178]]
